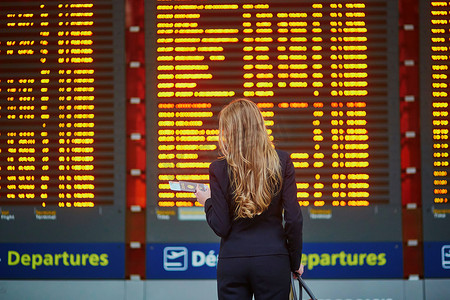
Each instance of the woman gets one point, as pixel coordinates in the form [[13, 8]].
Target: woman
[[252, 186]]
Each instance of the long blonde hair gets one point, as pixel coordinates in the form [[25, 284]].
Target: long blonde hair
[[254, 165]]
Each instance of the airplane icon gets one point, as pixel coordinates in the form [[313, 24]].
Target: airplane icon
[[446, 256], [175, 254], [175, 259]]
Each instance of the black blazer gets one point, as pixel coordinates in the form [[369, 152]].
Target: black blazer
[[263, 234]]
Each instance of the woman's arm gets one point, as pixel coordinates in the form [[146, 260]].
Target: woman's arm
[[292, 216], [216, 205]]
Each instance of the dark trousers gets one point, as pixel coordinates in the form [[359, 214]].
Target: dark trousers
[[265, 277]]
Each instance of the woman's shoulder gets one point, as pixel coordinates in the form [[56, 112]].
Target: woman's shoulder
[[220, 163], [219, 170], [283, 155]]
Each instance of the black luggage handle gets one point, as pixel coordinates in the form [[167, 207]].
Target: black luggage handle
[[302, 284]]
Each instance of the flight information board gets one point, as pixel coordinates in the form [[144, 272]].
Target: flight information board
[[314, 69], [435, 101], [434, 123], [435, 117], [57, 108], [322, 73], [62, 121]]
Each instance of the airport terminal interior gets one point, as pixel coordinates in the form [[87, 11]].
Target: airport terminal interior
[[109, 115]]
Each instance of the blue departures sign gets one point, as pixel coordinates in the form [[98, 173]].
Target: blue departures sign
[[436, 259], [321, 260], [182, 261], [58, 260], [353, 260]]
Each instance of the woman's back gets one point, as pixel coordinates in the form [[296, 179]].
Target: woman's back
[[252, 188], [263, 234]]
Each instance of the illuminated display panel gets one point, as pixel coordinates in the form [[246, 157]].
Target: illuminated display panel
[[57, 110], [318, 71], [434, 129], [435, 103], [434, 124]]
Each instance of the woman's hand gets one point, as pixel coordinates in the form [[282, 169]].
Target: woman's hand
[[202, 196], [299, 271]]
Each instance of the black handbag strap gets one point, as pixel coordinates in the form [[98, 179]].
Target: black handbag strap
[[302, 284], [294, 291]]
